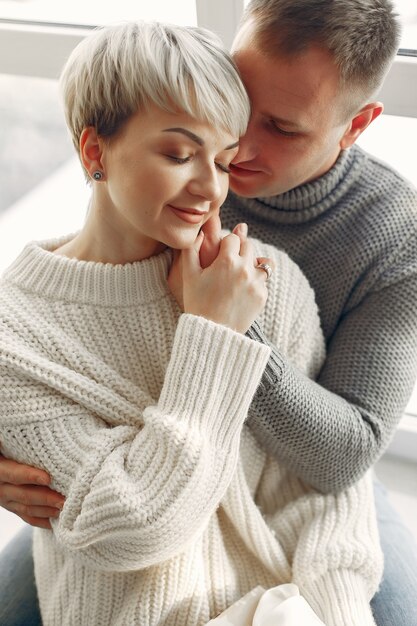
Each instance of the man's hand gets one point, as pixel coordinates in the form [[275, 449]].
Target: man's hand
[[24, 490]]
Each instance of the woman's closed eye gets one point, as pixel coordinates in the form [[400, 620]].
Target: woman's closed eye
[[178, 159], [181, 160]]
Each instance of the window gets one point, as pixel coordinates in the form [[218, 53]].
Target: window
[[95, 12]]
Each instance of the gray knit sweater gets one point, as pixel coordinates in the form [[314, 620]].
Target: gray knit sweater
[[353, 232]]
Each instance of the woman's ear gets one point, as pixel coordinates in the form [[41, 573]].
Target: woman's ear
[[91, 152], [360, 122]]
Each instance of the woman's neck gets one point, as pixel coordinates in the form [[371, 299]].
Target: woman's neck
[[103, 242]]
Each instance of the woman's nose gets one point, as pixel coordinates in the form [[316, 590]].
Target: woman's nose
[[206, 184]]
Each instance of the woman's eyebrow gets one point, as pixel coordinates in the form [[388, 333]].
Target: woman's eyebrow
[[195, 137], [186, 132]]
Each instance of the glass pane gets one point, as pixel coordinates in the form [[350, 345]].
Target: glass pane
[[43, 193], [408, 13], [33, 136], [97, 12]]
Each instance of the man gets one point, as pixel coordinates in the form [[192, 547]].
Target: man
[[312, 68]]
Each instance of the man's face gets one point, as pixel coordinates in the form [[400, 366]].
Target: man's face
[[295, 128]]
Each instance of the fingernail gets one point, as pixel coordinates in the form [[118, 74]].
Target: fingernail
[[59, 505]]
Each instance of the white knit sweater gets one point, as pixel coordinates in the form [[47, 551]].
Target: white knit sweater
[[137, 411]]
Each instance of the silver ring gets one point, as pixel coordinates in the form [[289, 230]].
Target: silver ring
[[267, 268]]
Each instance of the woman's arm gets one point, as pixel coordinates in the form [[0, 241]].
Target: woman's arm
[[135, 494], [141, 479]]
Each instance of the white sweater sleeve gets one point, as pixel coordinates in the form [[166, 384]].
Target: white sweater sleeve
[[136, 494], [338, 561]]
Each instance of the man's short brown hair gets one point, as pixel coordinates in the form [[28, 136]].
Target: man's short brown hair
[[362, 35]]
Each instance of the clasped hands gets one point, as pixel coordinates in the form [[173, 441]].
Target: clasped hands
[[219, 277]]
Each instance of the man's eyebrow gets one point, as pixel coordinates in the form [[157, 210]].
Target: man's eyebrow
[[195, 137]]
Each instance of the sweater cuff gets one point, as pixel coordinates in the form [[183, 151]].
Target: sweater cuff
[[340, 599], [212, 376], [274, 368]]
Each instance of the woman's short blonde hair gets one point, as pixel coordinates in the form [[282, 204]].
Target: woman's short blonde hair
[[120, 69]]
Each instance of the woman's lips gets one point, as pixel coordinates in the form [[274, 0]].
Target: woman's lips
[[189, 215]]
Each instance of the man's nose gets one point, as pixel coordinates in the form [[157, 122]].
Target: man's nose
[[248, 145]]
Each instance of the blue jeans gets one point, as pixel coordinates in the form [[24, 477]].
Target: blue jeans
[[18, 598], [395, 604]]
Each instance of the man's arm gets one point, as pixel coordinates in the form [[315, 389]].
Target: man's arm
[[331, 431], [24, 490]]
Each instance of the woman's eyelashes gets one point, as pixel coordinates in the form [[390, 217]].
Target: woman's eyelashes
[[223, 168], [177, 159], [181, 160]]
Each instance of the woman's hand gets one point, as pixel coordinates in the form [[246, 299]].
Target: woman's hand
[[24, 491], [231, 290]]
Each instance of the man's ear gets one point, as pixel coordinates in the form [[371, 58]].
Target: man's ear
[[91, 147], [361, 121]]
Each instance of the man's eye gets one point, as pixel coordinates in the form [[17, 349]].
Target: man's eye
[[281, 131], [223, 168], [178, 159]]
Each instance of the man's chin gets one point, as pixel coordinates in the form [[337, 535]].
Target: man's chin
[[245, 188]]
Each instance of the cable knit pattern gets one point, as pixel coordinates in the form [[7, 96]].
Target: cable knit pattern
[[173, 511], [353, 232]]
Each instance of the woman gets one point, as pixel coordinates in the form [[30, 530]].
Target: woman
[[135, 408]]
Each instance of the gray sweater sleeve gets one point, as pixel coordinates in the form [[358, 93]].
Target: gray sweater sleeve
[[331, 431]]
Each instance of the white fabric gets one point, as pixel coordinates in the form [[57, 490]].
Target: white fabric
[[280, 606]]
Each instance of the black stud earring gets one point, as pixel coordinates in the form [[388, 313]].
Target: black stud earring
[[98, 175]]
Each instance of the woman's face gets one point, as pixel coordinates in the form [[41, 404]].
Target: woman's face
[[165, 174]]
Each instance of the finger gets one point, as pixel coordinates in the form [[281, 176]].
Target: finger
[[241, 230], [247, 251], [230, 245], [212, 229], [267, 271], [20, 474], [38, 522], [191, 258], [211, 243], [40, 512], [267, 260], [29, 495]]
